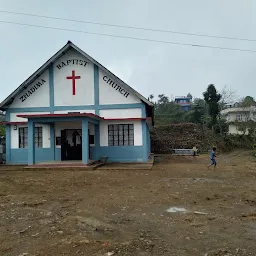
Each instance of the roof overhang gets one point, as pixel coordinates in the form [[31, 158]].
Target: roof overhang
[[77, 115]]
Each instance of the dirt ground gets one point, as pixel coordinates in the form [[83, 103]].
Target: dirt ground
[[124, 212]]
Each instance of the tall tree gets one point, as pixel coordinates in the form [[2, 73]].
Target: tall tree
[[151, 97], [2, 130], [248, 101], [228, 96], [189, 95], [198, 111], [163, 99], [212, 98]]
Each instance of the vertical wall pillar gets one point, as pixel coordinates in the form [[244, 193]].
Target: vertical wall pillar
[[51, 88], [148, 140], [8, 139], [85, 141], [52, 140], [97, 141], [8, 143], [96, 90], [31, 142], [144, 141]]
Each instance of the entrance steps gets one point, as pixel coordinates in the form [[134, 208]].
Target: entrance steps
[[92, 165]]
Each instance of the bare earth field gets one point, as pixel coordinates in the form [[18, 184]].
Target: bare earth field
[[111, 212]]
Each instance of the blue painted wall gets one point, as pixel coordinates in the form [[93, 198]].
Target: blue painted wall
[[20, 155], [122, 153], [57, 154]]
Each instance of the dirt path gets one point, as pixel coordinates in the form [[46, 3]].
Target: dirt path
[[123, 212]]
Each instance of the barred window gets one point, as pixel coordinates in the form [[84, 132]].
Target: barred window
[[38, 137], [239, 117], [23, 137], [121, 135]]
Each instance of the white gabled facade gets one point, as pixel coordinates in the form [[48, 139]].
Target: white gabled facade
[[73, 92]]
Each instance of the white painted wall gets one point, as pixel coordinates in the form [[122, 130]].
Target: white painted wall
[[232, 129], [15, 135], [65, 125], [109, 95], [81, 111], [104, 131], [14, 118], [63, 87], [121, 113], [39, 98]]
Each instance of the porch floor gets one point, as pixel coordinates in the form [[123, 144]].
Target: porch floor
[[65, 164]]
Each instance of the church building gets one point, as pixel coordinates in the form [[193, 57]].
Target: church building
[[73, 108]]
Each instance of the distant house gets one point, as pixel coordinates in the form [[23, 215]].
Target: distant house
[[184, 102], [234, 115]]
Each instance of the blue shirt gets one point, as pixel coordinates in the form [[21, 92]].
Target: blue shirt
[[212, 155]]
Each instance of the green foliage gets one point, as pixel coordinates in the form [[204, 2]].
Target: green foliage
[[198, 111], [212, 99], [163, 99], [205, 112], [189, 95], [248, 101], [167, 112], [2, 130]]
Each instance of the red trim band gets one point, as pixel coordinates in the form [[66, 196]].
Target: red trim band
[[82, 115], [13, 123], [61, 115]]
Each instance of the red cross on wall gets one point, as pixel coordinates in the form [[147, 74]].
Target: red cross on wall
[[73, 78]]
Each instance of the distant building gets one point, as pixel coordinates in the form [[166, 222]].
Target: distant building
[[184, 102], [233, 114]]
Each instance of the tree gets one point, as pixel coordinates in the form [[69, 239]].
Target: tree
[[189, 95], [167, 112], [198, 110], [227, 96], [248, 101], [2, 130], [163, 99], [151, 97], [212, 99]]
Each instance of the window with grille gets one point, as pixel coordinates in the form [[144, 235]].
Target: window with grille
[[121, 135], [239, 117], [23, 137], [38, 137]]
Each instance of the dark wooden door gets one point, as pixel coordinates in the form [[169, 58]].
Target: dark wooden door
[[64, 145]]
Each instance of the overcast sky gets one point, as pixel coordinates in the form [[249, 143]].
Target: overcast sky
[[146, 66]]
